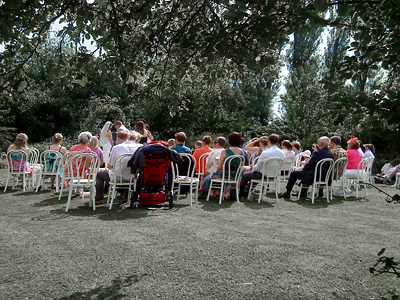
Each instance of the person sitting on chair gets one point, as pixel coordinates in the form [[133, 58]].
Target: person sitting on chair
[[202, 150], [272, 152], [124, 146], [307, 174], [180, 147]]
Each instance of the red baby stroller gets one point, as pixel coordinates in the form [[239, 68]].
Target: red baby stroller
[[152, 163]]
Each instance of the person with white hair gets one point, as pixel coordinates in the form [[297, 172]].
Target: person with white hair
[[127, 143], [83, 146]]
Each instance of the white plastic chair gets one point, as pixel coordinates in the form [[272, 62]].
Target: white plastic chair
[[271, 169], [318, 181], [363, 175], [80, 178], [51, 161], [287, 168], [16, 168], [297, 161], [119, 163], [34, 164], [397, 182], [252, 159], [188, 179], [227, 179], [339, 166], [65, 176]]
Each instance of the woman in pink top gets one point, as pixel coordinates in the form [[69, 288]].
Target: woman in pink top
[[83, 139], [354, 157]]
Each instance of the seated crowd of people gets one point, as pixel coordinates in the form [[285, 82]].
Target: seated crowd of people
[[108, 145]]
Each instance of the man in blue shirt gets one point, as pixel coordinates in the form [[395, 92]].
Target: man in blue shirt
[[180, 147]]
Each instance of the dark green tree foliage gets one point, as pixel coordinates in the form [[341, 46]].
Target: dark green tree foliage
[[50, 101], [306, 110]]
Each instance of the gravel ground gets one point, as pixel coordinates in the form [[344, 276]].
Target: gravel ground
[[285, 250]]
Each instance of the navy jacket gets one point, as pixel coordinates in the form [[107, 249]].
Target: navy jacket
[[309, 168]]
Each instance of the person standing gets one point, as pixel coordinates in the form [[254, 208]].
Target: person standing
[[106, 141]]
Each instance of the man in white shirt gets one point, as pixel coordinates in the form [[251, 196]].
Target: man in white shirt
[[127, 144], [256, 173]]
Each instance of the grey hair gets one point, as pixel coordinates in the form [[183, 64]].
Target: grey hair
[[324, 141], [84, 137], [134, 135]]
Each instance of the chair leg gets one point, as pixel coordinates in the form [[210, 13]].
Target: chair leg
[[221, 195], [179, 191], [92, 196], [191, 194], [57, 183], [6, 185], [301, 188], [69, 198], [261, 193], [327, 193], [62, 187], [312, 194], [23, 182], [356, 191], [250, 190], [277, 185], [209, 191]]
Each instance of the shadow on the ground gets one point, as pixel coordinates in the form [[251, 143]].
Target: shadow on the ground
[[264, 203], [110, 292], [319, 202], [213, 204], [103, 212], [51, 201]]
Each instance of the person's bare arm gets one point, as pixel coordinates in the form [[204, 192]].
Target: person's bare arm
[[221, 160], [110, 137]]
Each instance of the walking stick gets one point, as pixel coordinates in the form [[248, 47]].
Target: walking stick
[[389, 198]]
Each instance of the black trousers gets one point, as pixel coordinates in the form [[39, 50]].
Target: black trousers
[[294, 176]]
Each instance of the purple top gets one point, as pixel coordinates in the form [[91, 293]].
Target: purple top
[[98, 152]]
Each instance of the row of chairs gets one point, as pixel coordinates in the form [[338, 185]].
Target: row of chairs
[[51, 161]]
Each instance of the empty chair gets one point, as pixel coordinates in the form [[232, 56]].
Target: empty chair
[[184, 175], [17, 167], [34, 164], [297, 161], [271, 169]]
